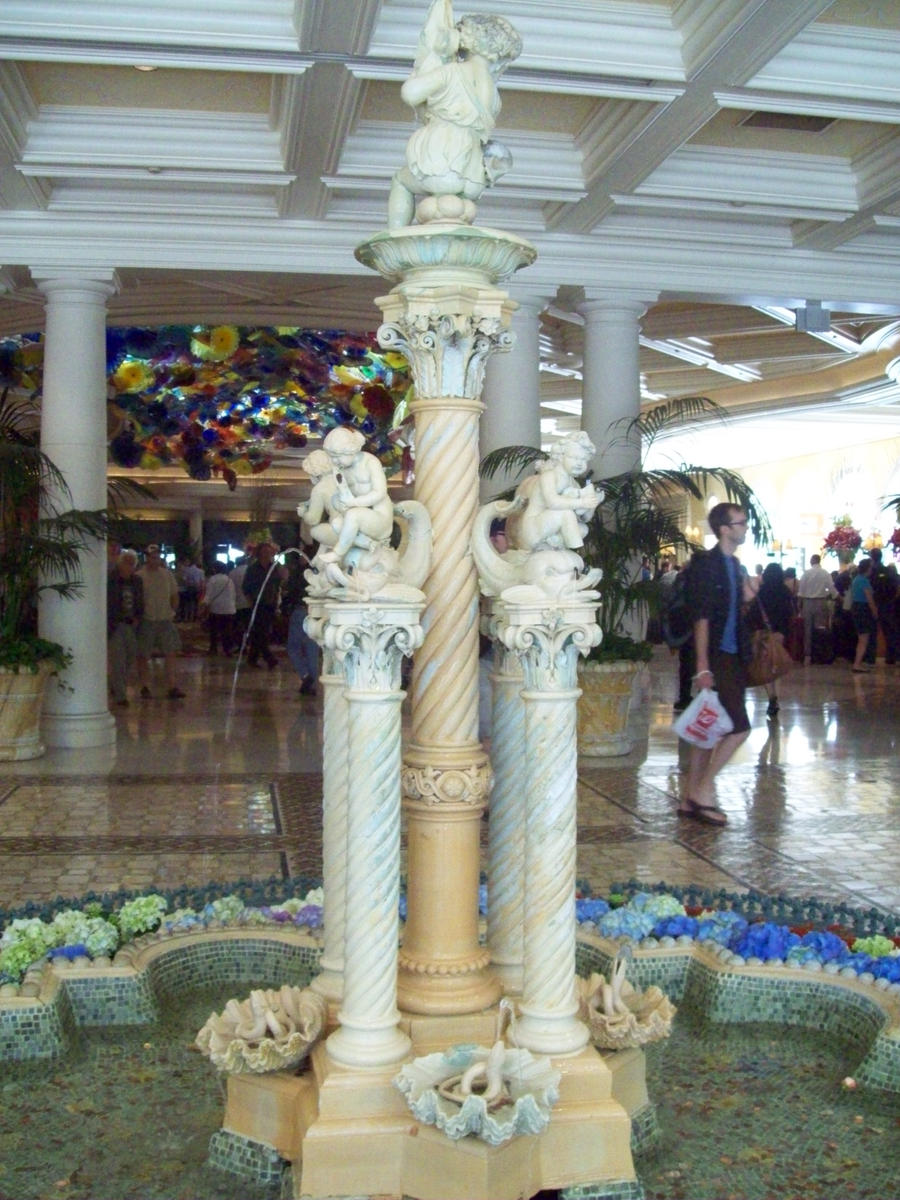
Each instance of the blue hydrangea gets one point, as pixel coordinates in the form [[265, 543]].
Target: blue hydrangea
[[482, 898], [683, 926], [828, 947], [403, 906], [887, 968], [625, 922], [722, 927], [766, 941], [590, 909], [78, 950]]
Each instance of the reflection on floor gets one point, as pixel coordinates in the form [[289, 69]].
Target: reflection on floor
[[225, 785]]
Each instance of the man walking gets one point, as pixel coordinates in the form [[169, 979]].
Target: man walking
[[814, 590], [157, 633], [718, 589]]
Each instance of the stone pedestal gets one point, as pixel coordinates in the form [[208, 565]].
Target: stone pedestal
[[350, 1133]]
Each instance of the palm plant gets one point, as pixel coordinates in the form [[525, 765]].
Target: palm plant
[[41, 538], [633, 520]]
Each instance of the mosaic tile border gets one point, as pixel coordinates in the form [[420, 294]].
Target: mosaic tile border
[[55, 998]]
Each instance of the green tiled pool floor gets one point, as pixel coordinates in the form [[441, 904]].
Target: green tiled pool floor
[[746, 1112]]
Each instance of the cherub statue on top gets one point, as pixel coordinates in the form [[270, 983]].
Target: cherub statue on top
[[453, 89], [545, 527], [556, 507], [350, 514]]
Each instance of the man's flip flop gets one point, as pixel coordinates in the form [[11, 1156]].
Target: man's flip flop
[[708, 813]]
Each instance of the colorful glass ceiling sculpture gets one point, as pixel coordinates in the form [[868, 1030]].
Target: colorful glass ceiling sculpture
[[224, 400]]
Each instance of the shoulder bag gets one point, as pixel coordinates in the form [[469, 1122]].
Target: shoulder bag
[[770, 658]]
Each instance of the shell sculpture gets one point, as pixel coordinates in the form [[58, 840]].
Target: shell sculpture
[[620, 1017], [494, 1093], [269, 1031]]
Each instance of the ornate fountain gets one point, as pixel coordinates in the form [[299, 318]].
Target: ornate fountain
[[344, 1124]]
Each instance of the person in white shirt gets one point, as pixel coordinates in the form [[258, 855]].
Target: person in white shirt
[[814, 590], [219, 603]]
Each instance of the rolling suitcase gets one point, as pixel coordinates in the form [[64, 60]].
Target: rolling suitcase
[[822, 647]]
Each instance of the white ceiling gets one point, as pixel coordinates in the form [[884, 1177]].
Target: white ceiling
[[233, 181]]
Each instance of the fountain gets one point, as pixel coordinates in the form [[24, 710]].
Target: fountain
[[344, 1123]]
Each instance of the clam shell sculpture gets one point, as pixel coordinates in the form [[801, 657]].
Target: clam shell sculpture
[[620, 1017], [269, 1031], [493, 1093]]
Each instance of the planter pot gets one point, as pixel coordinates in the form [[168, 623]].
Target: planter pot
[[21, 700], [604, 707]]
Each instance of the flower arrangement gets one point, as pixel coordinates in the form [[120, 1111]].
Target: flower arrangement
[[843, 540], [750, 927], [894, 542]]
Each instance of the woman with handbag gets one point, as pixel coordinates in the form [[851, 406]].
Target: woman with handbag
[[772, 610]]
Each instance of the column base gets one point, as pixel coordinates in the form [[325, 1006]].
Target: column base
[[551, 1034], [349, 1132], [78, 731], [367, 1048], [329, 984]]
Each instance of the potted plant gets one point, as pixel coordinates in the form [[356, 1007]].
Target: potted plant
[[41, 540], [633, 523]]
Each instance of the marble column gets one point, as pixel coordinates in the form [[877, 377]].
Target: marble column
[[369, 641], [548, 636], [447, 315], [611, 378], [512, 393], [335, 765], [506, 829], [195, 528], [73, 434]]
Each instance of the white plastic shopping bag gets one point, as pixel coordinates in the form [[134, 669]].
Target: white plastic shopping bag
[[704, 722]]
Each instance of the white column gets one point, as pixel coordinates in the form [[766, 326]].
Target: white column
[[612, 379], [548, 636], [369, 641], [195, 528], [506, 828], [512, 392], [335, 745], [73, 434]]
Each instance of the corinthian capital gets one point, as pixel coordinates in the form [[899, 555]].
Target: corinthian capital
[[369, 642], [548, 639]]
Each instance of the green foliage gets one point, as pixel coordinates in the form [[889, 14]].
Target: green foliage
[[632, 520], [41, 539]]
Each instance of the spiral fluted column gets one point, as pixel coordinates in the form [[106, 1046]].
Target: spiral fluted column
[[446, 320], [335, 740], [369, 642], [548, 636], [506, 829]]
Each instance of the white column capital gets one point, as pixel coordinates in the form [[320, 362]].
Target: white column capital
[[597, 304], [61, 280]]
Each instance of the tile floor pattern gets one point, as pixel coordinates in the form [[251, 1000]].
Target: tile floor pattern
[[225, 785]]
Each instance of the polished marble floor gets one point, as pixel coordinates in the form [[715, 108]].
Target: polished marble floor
[[225, 785]]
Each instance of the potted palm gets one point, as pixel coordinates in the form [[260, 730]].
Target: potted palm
[[41, 540], [634, 521]]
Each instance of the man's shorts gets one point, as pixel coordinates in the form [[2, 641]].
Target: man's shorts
[[157, 637], [731, 682]]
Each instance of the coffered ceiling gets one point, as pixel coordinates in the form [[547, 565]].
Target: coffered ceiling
[[728, 161]]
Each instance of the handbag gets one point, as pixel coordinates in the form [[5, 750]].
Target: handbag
[[770, 658], [704, 722]]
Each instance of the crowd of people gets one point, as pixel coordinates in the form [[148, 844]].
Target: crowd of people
[[242, 607]]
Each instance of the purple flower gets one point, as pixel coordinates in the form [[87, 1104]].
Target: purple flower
[[311, 915]]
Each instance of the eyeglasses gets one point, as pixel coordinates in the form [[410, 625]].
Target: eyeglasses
[[737, 522]]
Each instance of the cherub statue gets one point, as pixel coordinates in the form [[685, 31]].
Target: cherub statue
[[454, 91], [360, 509], [316, 511], [556, 506]]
